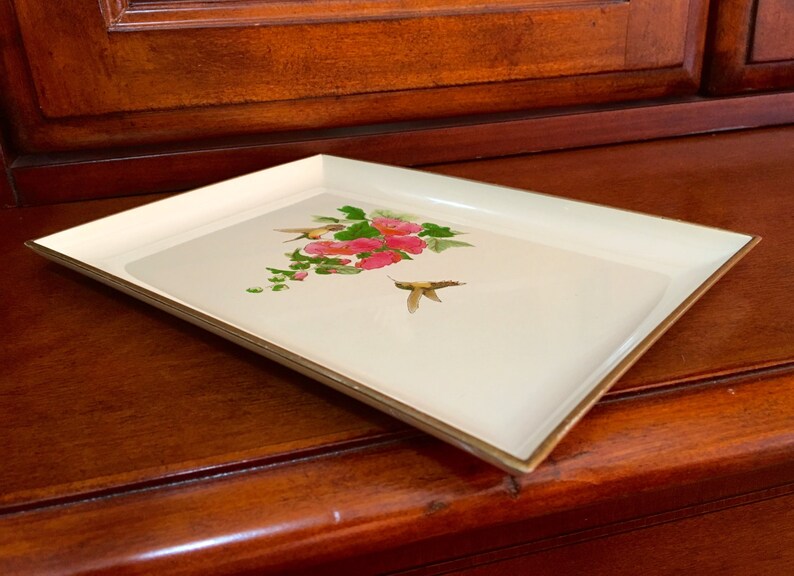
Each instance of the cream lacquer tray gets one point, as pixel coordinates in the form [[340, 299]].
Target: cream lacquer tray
[[490, 317]]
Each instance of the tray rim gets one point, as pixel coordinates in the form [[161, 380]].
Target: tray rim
[[362, 392]]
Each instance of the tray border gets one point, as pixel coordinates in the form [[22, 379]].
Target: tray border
[[371, 397]]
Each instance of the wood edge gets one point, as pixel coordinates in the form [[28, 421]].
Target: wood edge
[[62, 177], [485, 501], [728, 44], [8, 196]]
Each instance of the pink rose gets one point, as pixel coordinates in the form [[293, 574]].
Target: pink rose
[[410, 244], [349, 247], [378, 260], [299, 275], [395, 227]]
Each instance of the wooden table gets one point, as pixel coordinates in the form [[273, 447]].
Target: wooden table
[[133, 443]]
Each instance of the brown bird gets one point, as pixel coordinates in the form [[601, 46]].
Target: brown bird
[[311, 233], [426, 289]]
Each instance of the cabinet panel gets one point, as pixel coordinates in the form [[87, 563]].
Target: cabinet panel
[[235, 63], [98, 73], [752, 44], [774, 31]]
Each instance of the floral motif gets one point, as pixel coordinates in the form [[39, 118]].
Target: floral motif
[[411, 244], [379, 260], [346, 248], [395, 226], [370, 241]]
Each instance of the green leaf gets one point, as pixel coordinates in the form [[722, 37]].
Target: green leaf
[[435, 231], [357, 230], [353, 213], [337, 270], [347, 270], [279, 272], [439, 245], [330, 261], [254, 289], [296, 256], [279, 287], [326, 219], [403, 255], [300, 266], [391, 214]]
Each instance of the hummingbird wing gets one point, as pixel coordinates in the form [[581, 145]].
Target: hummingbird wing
[[430, 293], [413, 299], [304, 232], [295, 230]]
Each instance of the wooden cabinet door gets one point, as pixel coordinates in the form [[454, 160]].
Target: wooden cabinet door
[[753, 46], [88, 74]]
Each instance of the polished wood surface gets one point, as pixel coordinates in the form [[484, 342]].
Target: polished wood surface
[[47, 178], [751, 46], [140, 73], [136, 444], [773, 38], [7, 196], [165, 95]]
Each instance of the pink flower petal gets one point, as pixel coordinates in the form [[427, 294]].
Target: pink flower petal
[[395, 227], [347, 248], [378, 260], [410, 244]]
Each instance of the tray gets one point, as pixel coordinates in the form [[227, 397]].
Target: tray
[[490, 317]]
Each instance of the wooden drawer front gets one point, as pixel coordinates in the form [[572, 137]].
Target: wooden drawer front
[[753, 46], [101, 72]]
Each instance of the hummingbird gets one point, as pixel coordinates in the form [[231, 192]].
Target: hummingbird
[[311, 233], [422, 288]]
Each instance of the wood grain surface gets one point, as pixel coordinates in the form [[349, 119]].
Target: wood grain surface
[[47, 178], [136, 444], [750, 47], [140, 74], [7, 195]]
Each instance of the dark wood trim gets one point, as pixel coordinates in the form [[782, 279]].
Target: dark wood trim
[[731, 69], [43, 179], [126, 16], [7, 196]]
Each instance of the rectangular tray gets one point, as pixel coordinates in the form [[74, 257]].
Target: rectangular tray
[[490, 317]]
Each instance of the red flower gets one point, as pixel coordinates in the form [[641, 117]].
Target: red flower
[[410, 244], [378, 260], [349, 247], [299, 275], [395, 227]]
